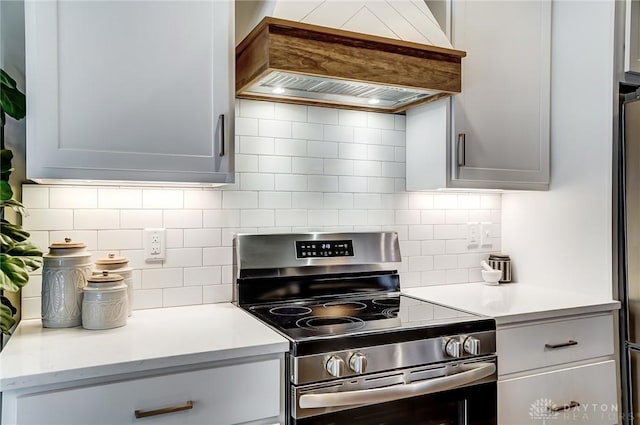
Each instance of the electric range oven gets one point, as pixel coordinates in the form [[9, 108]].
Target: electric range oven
[[362, 353]]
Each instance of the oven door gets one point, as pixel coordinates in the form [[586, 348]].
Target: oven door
[[451, 394]]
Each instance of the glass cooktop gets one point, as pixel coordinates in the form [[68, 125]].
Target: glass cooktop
[[334, 317]]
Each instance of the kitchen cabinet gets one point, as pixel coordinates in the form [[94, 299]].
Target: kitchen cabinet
[[561, 370], [495, 134], [247, 391], [632, 37], [130, 91]]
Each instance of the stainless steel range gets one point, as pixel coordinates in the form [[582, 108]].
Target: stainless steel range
[[360, 351]]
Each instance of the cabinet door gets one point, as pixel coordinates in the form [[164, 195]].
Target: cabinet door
[[221, 396], [547, 397], [632, 37], [500, 121], [130, 90]]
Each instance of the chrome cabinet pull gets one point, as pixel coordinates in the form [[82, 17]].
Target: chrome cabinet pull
[[221, 142], [461, 151], [561, 345], [146, 413], [559, 408]]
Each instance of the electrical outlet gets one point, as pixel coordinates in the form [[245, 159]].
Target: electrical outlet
[[486, 234], [154, 244], [473, 235]]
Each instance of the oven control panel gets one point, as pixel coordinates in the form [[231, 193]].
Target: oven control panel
[[324, 249]]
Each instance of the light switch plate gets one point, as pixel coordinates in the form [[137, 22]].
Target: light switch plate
[[486, 234], [154, 244]]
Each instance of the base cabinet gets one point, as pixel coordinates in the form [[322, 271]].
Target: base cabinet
[[559, 371], [248, 392], [576, 395]]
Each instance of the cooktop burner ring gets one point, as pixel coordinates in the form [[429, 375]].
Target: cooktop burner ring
[[352, 305], [290, 310], [391, 312], [330, 323], [387, 302]]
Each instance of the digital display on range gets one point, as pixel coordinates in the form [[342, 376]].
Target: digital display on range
[[324, 249]]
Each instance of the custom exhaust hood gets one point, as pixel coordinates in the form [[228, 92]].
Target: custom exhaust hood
[[384, 56]]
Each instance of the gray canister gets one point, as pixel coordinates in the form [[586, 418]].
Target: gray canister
[[66, 268], [105, 302], [501, 262], [118, 265]]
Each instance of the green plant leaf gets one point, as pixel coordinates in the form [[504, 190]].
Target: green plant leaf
[[13, 273], [6, 301], [28, 253], [13, 231], [5, 162], [6, 193], [13, 101], [14, 205], [6, 319]]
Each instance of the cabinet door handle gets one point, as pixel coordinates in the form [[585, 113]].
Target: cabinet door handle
[[561, 345], [559, 408], [221, 134], [146, 413], [461, 151]]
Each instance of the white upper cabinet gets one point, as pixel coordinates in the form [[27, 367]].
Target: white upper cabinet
[[495, 135], [138, 91]]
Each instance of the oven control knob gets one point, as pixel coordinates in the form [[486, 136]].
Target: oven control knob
[[471, 345], [335, 366], [358, 363], [452, 347]]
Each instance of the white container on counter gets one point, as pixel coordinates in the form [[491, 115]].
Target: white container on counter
[[66, 268], [118, 265], [105, 302]]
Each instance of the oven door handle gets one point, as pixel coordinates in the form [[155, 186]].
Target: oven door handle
[[473, 372]]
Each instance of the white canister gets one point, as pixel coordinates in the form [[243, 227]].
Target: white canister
[[105, 302], [64, 274], [118, 265]]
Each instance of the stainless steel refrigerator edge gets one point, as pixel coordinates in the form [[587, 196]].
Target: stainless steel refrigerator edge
[[629, 250]]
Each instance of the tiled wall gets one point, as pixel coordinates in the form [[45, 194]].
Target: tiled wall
[[298, 169]]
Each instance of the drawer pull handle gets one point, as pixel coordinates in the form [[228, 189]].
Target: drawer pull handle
[[146, 413], [561, 345], [559, 408]]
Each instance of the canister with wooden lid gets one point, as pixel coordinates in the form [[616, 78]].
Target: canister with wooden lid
[[118, 265], [105, 302], [66, 268]]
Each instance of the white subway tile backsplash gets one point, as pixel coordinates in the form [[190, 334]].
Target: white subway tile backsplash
[[298, 168], [72, 197], [338, 133], [96, 219], [274, 200], [161, 199], [40, 239], [274, 128], [33, 287], [237, 199], [201, 238], [31, 308], [307, 131], [182, 219], [256, 145], [121, 198], [257, 181], [35, 196], [290, 147], [48, 219], [161, 278], [322, 115], [290, 112], [205, 199]]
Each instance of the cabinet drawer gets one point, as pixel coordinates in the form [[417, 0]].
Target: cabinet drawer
[[551, 343], [222, 395], [526, 400]]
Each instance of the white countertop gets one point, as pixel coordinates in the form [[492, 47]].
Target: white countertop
[[513, 302], [152, 339]]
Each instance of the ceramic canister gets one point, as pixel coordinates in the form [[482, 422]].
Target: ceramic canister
[[118, 265], [105, 302], [66, 268]]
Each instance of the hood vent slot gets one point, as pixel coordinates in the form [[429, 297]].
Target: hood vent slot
[[301, 63]]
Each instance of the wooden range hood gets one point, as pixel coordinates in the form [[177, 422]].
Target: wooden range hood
[[295, 62]]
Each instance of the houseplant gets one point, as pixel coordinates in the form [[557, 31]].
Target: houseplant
[[18, 256]]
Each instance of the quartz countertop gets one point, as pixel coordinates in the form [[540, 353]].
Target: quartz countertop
[[152, 339], [513, 302]]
